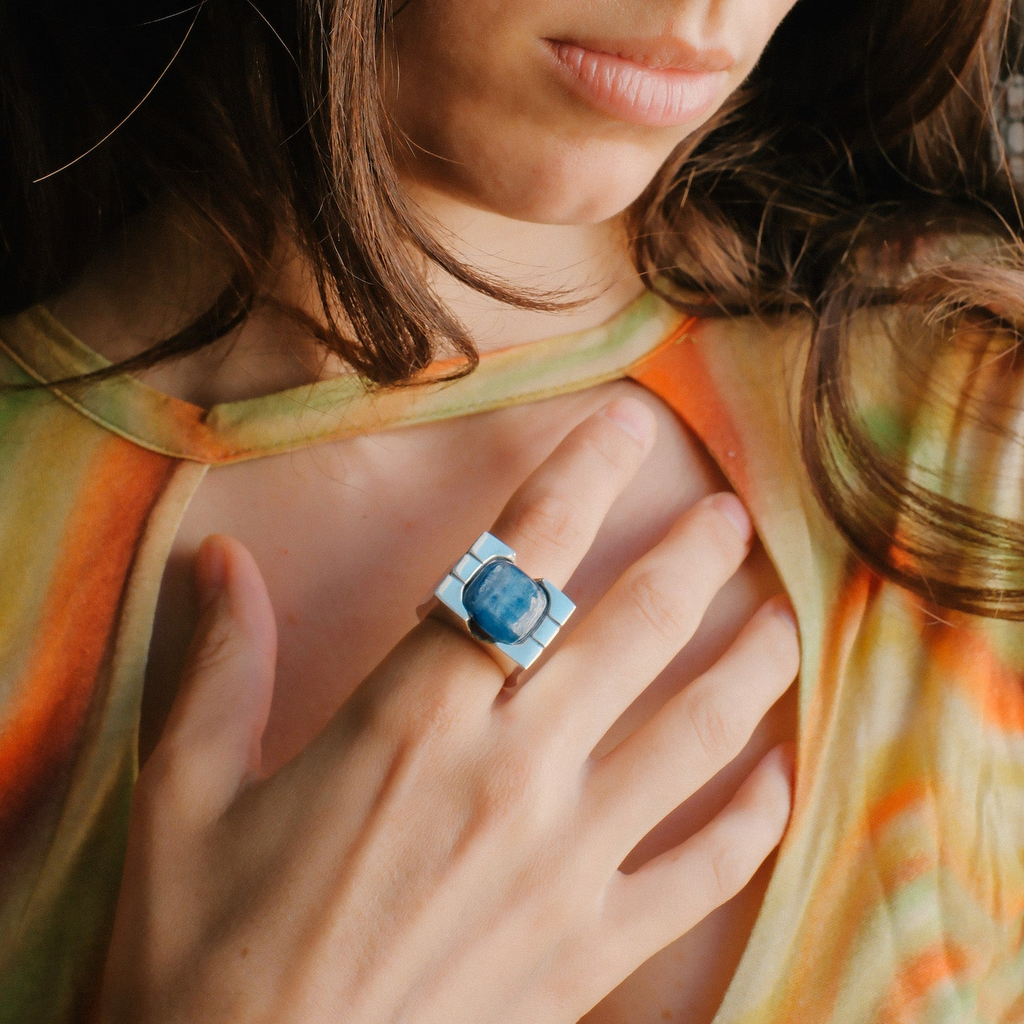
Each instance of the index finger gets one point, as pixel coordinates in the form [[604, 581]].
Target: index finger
[[552, 519]]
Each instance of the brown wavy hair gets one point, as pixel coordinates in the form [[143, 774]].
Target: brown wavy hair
[[864, 129]]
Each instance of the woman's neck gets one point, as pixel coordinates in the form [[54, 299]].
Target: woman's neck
[[587, 263], [165, 276]]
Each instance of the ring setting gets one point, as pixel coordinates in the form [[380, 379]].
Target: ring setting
[[500, 605]]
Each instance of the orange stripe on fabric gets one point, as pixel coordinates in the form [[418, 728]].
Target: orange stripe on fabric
[[919, 977], [678, 374], [972, 666], [839, 633], [894, 803], [955, 859], [83, 598]]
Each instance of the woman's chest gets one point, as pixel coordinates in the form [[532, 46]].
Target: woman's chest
[[352, 535]]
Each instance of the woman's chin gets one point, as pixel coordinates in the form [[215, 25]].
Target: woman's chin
[[585, 195]]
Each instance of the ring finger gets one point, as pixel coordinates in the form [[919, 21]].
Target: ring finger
[[696, 733]]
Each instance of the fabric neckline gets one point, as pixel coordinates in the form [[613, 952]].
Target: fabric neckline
[[332, 408]]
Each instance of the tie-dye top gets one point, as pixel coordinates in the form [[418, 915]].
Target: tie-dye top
[[898, 893]]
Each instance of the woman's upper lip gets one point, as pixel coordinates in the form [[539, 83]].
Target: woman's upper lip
[[664, 53]]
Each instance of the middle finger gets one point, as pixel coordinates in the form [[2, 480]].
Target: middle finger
[[640, 625]]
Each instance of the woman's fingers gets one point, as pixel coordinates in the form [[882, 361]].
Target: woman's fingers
[[211, 743], [646, 618], [697, 732], [552, 519], [667, 896]]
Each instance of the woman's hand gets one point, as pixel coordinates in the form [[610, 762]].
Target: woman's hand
[[447, 851]]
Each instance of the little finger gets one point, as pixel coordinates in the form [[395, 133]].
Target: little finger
[[667, 896]]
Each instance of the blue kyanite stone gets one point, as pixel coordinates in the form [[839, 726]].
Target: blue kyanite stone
[[503, 602]]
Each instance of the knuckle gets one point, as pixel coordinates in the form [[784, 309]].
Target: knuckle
[[576, 982], [547, 733], [550, 521], [213, 651], [724, 537], [718, 733], [761, 822], [611, 444], [669, 618], [731, 868], [521, 794]]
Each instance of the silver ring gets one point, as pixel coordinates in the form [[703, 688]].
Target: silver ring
[[493, 600]]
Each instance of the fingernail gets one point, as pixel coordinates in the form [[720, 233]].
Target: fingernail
[[209, 570], [633, 417], [732, 508]]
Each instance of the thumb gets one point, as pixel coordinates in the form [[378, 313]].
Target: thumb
[[221, 710]]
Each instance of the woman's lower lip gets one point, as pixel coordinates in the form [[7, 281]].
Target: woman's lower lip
[[641, 95]]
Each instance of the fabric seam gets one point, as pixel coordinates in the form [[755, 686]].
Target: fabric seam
[[676, 334]]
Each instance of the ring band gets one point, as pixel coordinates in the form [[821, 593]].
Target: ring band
[[491, 598]]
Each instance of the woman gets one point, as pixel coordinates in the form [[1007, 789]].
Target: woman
[[345, 814]]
